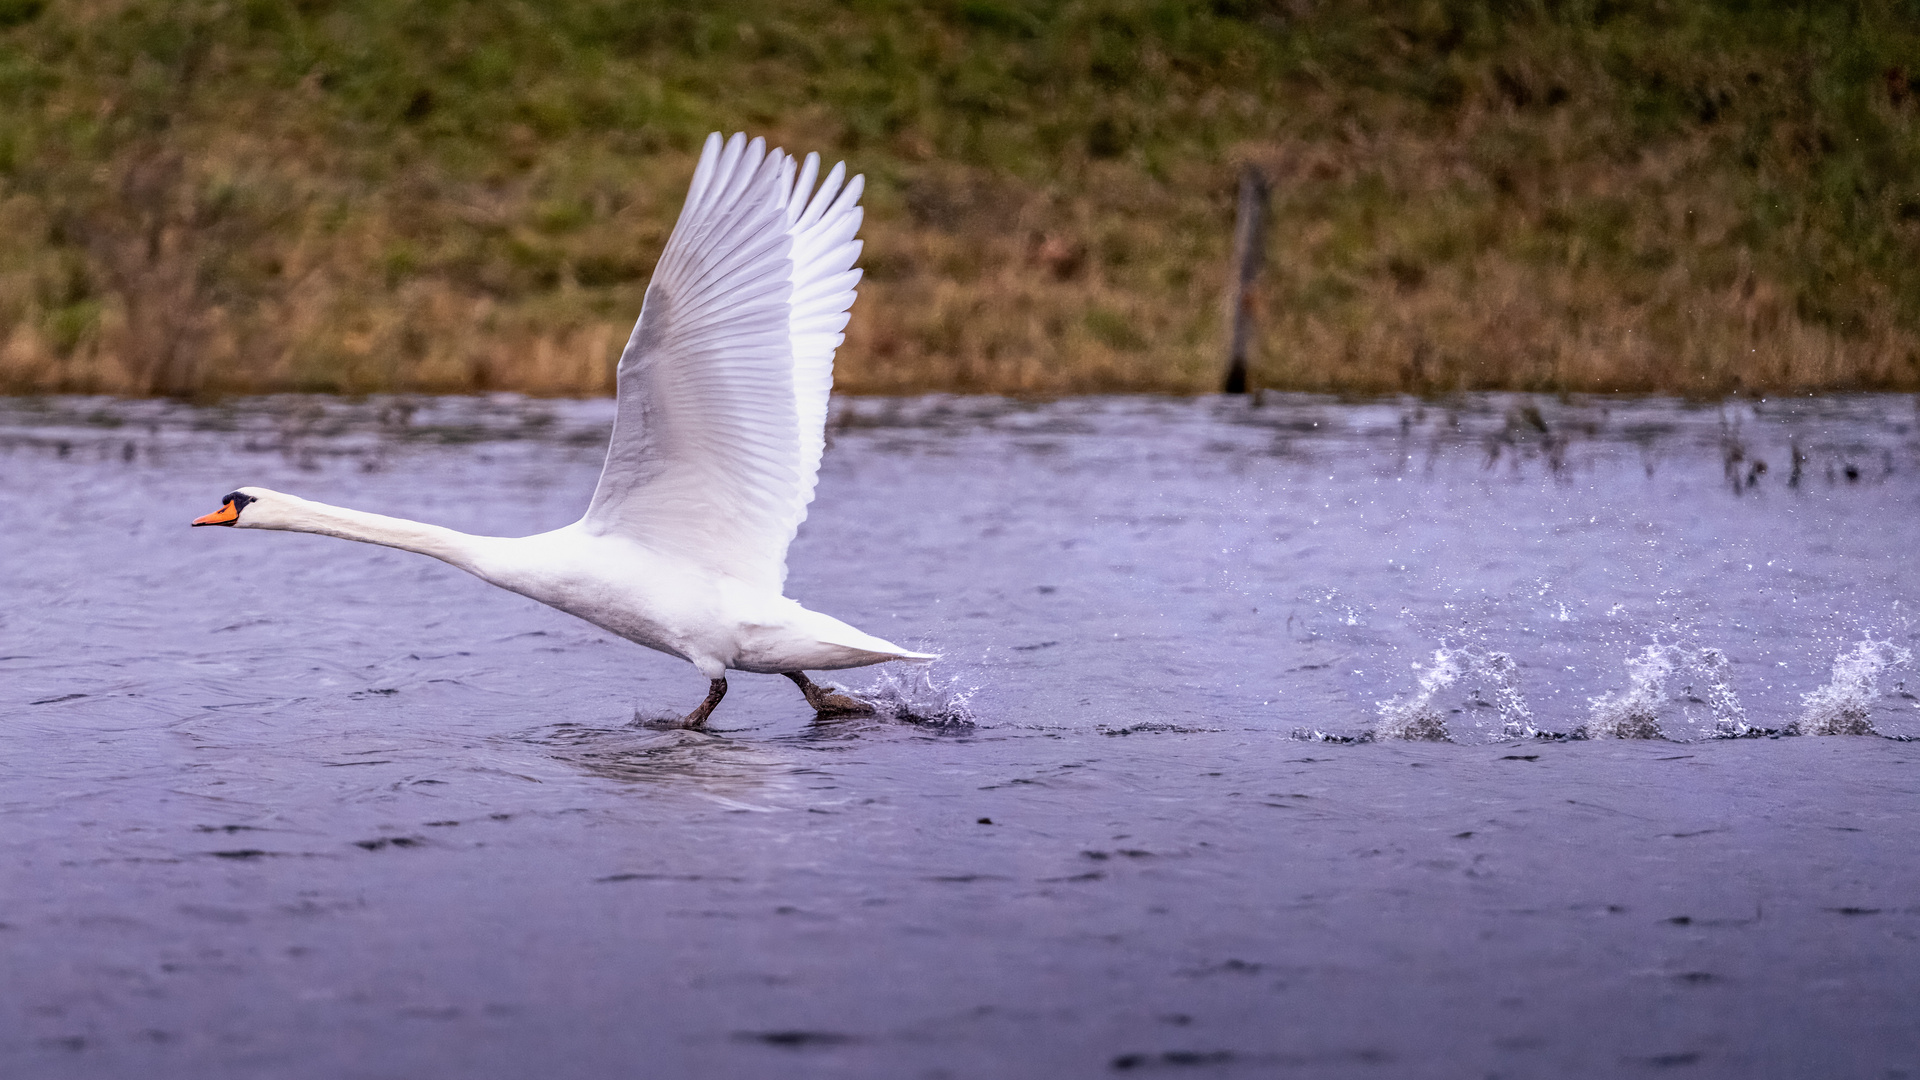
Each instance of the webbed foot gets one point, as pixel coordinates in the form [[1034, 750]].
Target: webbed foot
[[827, 704]]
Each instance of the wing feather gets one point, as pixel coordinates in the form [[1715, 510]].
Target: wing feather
[[723, 385]]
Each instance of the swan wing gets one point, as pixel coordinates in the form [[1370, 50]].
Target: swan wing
[[723, 386]]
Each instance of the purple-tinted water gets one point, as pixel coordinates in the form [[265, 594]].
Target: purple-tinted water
[[281, 806]]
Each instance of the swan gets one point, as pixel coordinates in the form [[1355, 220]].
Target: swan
[[717, 436]]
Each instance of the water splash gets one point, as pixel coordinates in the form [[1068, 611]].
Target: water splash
[[1338, 611], [1729, 717], [1501, 674], [1493, 674], [1635, 713], [1416, 717], [1844, 706], [910, 693]]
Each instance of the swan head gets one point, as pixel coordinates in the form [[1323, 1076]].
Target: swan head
[[249, 508]]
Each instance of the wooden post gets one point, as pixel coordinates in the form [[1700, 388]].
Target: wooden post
[[1249, 254]]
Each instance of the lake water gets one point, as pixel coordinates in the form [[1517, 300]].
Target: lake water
[[1290, 738]]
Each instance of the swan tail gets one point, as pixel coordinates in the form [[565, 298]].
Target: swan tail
[[917, 657], [876, 650]]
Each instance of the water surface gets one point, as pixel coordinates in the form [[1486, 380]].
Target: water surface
[[282, 806]]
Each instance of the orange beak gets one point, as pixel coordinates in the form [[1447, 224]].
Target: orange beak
[[226, 515]]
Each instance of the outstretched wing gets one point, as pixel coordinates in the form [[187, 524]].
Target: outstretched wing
[[723, 385]]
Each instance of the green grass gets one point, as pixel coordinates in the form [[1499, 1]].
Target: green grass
[[201, 197]]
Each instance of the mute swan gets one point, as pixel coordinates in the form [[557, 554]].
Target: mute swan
[[722, 407]]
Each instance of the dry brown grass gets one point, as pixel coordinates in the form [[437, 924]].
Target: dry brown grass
[[1460, 202]]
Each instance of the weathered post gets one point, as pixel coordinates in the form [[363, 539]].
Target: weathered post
[[1249, 253]]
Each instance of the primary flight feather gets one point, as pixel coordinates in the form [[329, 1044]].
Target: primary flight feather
[[716, 442]]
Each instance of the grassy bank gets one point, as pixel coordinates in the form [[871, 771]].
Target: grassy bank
[[210, 197]]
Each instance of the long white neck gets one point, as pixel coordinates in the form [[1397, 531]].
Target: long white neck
[[293, 514]]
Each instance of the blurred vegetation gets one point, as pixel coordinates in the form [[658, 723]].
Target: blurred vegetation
[[211, 196]]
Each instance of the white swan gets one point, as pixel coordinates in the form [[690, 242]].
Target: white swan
[[716, 443]]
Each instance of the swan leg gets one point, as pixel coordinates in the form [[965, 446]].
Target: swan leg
[[825, 703], [716, 690]]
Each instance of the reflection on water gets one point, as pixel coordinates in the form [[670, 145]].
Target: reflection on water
[[759, 774], [276, 797], [708, 761]]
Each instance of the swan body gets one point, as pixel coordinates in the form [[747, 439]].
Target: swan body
[[716, 443]]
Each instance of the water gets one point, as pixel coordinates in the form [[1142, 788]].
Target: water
[[1370, 739]]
